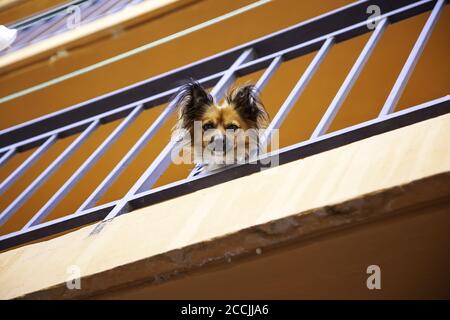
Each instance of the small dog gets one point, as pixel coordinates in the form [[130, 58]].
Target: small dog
[[218, 133]]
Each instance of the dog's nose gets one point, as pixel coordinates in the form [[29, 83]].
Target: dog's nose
[[220, 143]]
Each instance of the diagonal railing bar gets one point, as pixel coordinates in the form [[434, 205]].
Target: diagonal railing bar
[[81, 171], [350, 80], [119, 6], [413, 58], [268, 74], [16, 174], [297, 90], [7, 155], [230, 75], [28, 192], [162, 161]]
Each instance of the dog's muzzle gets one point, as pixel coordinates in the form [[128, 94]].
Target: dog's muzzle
[[220, 144]]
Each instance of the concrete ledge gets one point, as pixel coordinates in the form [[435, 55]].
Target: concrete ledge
[[268, 237], [385, 176]]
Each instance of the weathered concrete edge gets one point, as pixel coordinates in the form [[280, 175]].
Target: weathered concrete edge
[[297, 228]]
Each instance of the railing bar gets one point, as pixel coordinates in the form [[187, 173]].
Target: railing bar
[[162, 161], [10, 152], [163, 95], [20, 200], [297, 90], [152, 174], [132, 153], [350, 80], [228, 78], [27, 164], [77, 175], [98, 12], [120, 5], [413, 58], [270, 71]]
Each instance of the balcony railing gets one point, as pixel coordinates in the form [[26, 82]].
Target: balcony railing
[[220, 71], [54, 21]]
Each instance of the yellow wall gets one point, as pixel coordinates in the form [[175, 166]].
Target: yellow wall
[[289, 204], [430, 80]]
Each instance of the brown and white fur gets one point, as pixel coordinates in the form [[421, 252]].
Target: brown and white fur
[[222, 126]]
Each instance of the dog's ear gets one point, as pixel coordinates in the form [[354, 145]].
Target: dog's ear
[[192, 100], [247, 102]]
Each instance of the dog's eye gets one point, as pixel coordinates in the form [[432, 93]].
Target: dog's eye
[[208, 126], [232, 127]]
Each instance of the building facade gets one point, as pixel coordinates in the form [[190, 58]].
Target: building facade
[[357, 181]]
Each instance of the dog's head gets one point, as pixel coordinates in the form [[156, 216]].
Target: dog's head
[[222, 127]]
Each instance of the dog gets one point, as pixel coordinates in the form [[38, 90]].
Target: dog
[[219, 134]]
